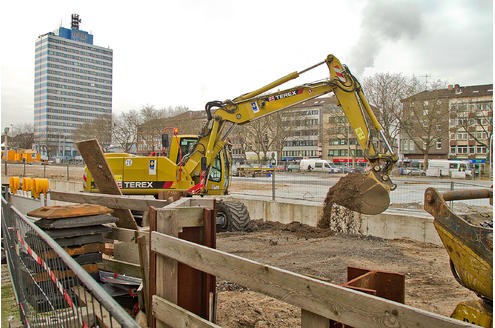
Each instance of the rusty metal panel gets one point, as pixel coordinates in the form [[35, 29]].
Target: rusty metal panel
[[388, 285]]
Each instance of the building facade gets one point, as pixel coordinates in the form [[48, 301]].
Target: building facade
[[340, 145], [73, 85], [304, 138], [458, 119]]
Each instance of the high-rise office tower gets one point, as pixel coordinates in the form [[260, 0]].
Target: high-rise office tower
[[73, 85]]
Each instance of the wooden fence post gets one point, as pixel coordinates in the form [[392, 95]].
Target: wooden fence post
[[176, 282]]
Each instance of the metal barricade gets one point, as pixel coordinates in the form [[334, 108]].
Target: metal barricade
[[51, 288]]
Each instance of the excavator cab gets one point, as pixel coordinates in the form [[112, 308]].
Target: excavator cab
[[182, 146]]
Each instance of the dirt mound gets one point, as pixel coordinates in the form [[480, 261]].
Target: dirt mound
[[298, 229]]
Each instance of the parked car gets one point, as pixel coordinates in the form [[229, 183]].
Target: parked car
[[416, 171], [293, 167]]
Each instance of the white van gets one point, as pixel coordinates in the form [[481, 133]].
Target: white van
[[448, 168], [317, 165]]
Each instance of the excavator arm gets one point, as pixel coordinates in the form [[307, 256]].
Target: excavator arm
[[259, 103]]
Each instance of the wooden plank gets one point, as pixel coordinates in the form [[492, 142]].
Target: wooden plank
[[203, 202], [322, 298], [152, 273], [93, 156], [312, 320], [144, 264], [111, 201], [120, 267], [211, 282], [73, 251], [63, 274], [128, 235], [167, 268], [187, 217], [68, 211], [175, 316]]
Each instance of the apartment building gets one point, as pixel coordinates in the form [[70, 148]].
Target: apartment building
[[460, 123]]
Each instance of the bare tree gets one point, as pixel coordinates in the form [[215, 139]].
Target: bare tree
[[264, 135], [100, 128], [22, 136], [384, 91], [257, 138], [124, 132], [425, 120]]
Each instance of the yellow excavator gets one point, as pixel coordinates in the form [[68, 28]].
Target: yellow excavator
[[201, 164]]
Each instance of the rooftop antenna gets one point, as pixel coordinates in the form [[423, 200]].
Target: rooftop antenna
[[426, 76], [75, 21]]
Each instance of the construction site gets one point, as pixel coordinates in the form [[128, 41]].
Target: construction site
[[324, 254], [171, 239]]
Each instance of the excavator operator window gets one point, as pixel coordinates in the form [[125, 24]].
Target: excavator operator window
[[186, 146], [216, 170]]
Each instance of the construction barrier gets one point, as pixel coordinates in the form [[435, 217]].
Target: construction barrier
[[35, 186], [52, 289]]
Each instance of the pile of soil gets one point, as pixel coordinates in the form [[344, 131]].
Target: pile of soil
[[296, 228]]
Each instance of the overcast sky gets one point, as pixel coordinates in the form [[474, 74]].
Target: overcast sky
[[188, 52]]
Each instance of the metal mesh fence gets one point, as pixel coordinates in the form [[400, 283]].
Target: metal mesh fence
[[52, 171], [52, 289], [297, 185], [313, 187]]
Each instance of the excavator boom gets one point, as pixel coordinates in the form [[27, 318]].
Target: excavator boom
[[368, 194]]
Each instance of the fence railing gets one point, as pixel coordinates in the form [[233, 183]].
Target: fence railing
[[64, 171], [308, 186], [313, 187], [51, 288]]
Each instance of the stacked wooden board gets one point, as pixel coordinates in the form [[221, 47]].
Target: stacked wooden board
[[80, 229]]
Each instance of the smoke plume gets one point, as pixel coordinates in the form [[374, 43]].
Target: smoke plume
[[384, 21]]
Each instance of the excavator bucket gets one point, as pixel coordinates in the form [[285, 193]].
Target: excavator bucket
[[362, 193], [468, 238]]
